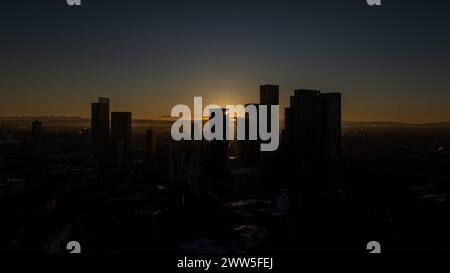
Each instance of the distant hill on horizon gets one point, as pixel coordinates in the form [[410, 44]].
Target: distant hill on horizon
[[394, 124], [164, 119]]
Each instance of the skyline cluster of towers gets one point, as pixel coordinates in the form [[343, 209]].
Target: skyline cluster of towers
[[310, 147], [310, 143], [112, 137]]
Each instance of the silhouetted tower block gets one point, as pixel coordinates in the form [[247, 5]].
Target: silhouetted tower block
[[100, 131], [288, 127], [269, 95], [36, 134], [307, 131], [313, 136], [218, 150], [121, 131], [249, 151], [100, 122]]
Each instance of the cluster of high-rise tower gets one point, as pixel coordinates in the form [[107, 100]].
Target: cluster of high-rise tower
[[310, 147], [310, 152], [111, 138]]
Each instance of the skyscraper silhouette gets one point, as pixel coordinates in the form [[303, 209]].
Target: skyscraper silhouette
[[313, 140], [100, 131], [121, 132], [218, 149], [307, 131], [249, 150], [269, 96], [100, 122]]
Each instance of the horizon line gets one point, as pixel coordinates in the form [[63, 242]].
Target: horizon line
[[168, 118]]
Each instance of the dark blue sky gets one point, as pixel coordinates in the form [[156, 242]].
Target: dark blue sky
[[390, 62]]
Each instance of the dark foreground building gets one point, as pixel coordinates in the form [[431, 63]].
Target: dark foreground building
[[313, 144], [121, 136], [100, 131]]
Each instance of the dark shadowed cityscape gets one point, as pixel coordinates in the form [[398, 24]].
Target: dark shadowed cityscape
[[115, 184], [343, 145]]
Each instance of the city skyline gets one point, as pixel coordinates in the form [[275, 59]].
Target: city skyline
[[391, 65], [223, 130]]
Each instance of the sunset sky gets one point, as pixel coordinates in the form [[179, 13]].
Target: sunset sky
[[391, 63]]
